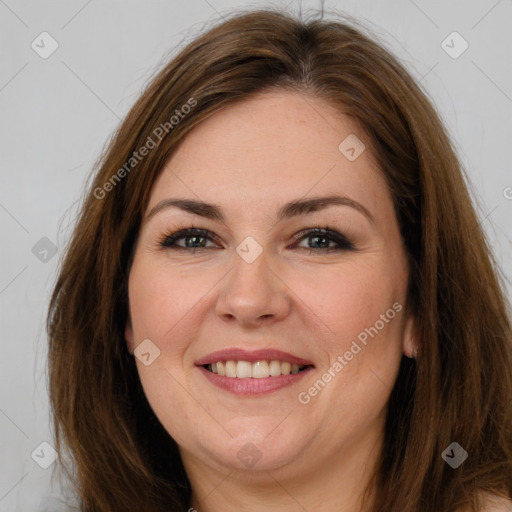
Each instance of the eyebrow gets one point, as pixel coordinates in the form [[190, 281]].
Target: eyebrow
[[291, 209]]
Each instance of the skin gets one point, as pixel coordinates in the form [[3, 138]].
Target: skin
[[251, 158]]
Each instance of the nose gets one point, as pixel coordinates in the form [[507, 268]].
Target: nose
[[252, 294]]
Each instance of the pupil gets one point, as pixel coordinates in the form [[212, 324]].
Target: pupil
[[193, 238], [326, 244]]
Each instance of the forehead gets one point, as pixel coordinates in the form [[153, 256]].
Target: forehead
[[271, 148]]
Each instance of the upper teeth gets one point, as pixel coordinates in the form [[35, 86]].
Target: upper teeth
[[257, 370]]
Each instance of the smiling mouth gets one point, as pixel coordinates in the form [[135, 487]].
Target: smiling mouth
[[257, 370]]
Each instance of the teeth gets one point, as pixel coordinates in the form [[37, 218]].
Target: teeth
[[275, 368], [243, 370], [257, 370], [260, 370], [231, 369]]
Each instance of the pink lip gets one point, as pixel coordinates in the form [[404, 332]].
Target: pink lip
[[239, 354], [253, 386]]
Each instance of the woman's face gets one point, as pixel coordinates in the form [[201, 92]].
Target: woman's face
[[261, 292]]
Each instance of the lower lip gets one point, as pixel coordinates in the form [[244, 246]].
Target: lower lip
[[253, 386]]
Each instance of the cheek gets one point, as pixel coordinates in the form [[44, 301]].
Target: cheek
[[161, 301], [351, 298], [362, 312], [163, 309]]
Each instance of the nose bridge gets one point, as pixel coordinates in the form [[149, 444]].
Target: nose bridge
[[252, 289]]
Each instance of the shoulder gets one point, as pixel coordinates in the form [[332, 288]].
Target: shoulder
[[499, 505], [492, 504]]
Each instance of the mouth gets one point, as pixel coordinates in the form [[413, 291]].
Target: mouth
[[249, 373], [258, 370]]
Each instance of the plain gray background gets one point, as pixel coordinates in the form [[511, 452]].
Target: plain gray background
[[57, 113]]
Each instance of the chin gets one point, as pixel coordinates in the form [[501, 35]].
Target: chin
[[252, 449]]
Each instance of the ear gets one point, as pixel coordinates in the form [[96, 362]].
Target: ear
[[128, 334], [410, 337]]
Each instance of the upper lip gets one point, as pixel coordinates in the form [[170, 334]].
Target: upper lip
[[240, 354]]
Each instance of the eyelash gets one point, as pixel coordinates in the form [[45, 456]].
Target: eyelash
[[168, 241]]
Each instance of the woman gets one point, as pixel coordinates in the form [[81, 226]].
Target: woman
[[278, 292]]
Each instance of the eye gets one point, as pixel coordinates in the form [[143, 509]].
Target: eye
[[197, 239], [322, 237]]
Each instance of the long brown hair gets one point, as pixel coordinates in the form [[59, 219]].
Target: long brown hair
[[458, 390]]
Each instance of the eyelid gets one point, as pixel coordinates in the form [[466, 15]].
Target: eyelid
[[176, 234], [343, 242]]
